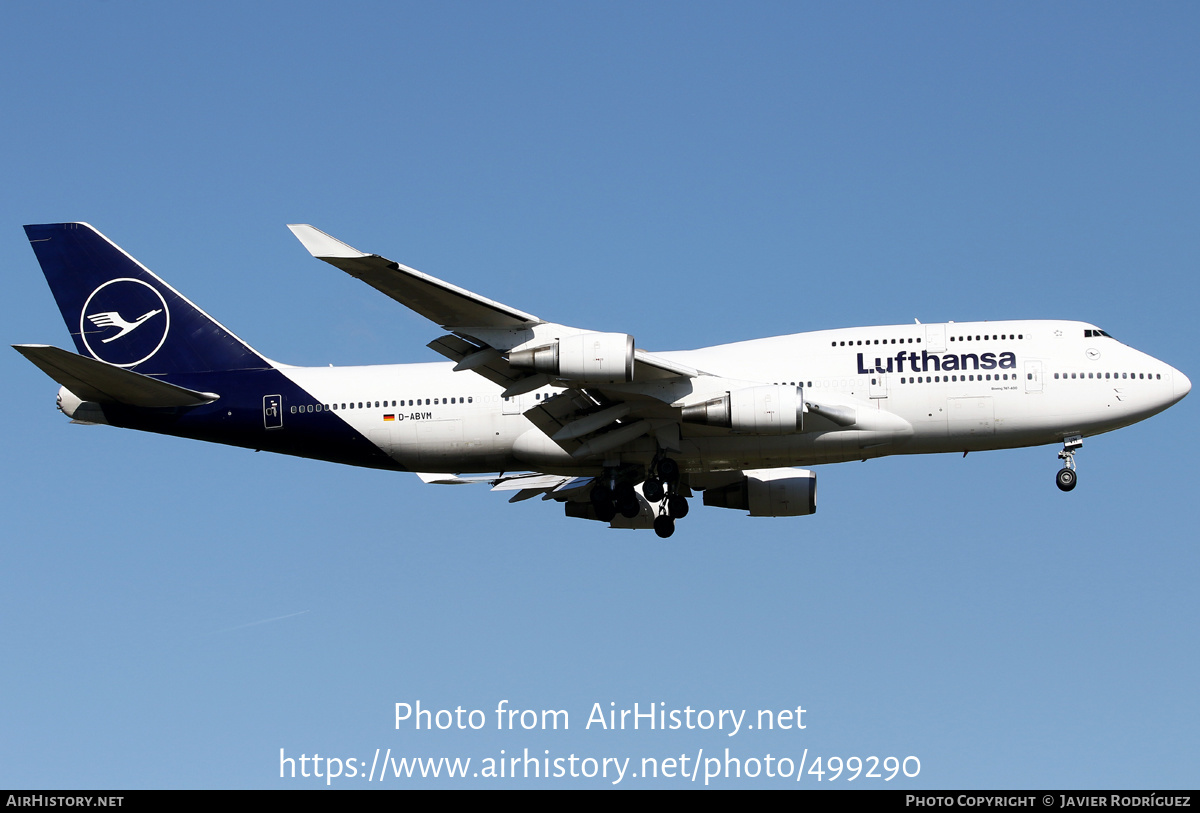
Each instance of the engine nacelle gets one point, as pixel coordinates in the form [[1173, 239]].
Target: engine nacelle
[[769, 493], [598, 357], [772, 409]]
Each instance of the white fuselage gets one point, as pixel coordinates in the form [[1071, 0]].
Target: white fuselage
[[933, 388]]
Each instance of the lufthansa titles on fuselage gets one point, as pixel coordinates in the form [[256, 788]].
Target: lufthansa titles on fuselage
[[925, 361]]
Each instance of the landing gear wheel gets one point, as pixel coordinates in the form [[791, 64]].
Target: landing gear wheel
[[601, 494], [664, 526], [1066, 479], [668, 470], [677, 506], [653, 489], [605, 511]]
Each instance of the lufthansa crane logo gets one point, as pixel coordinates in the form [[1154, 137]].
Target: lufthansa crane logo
[[113, 319], [130, 319]]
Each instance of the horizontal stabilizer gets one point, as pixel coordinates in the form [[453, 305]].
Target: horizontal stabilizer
[[93, 380]]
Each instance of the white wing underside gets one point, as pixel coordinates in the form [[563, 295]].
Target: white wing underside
[[527, 485]]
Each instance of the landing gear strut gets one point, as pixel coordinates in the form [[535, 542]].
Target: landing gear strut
[[1066, 479], [662, 487], [653, 489], [668, 470]]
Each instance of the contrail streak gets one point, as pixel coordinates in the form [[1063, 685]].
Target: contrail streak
[[264, 621]]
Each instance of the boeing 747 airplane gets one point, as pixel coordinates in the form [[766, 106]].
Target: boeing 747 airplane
[[615, 433]]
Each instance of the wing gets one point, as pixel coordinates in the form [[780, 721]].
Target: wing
[[440, 302], [526, 485], [613, 392]]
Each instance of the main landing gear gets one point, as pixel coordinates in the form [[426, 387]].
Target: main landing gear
[[1066, 479], [614, 495], [609, 501], [662, 488]]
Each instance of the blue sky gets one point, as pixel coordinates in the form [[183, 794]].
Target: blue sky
[[173, 614]]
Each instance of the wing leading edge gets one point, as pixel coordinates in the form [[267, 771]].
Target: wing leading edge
[[440, 302], [492, 325]]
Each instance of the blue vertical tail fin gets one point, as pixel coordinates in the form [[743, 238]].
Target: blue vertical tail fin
[[120, 312]]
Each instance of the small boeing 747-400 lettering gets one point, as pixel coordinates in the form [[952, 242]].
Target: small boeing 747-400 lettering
[[588, 419]]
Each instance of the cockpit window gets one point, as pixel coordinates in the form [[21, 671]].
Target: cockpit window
[[1091, 331]]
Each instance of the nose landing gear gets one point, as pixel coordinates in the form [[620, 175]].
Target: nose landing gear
[[1066, 479]]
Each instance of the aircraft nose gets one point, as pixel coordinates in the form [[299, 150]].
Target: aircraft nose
[[1180, 383]]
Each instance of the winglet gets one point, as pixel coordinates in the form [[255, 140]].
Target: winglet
[[321, 245]]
